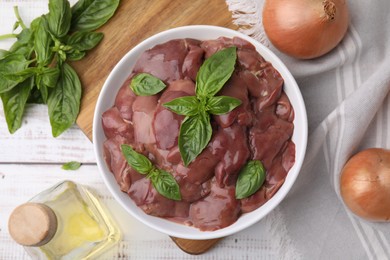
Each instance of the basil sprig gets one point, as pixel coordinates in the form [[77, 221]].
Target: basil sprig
[[162, 181], [195, 131], [250, 179], [35, 69], [144, 84]]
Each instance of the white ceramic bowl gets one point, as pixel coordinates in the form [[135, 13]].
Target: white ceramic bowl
[[106, 100]]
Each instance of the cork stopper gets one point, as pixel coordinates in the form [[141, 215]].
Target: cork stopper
[[32, 224]]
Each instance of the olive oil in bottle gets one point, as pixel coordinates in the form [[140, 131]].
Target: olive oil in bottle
[[64, 222]]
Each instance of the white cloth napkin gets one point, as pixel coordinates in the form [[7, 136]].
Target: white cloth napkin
[[346, 93]]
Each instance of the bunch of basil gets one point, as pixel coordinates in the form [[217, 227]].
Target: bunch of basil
[[35, 68]]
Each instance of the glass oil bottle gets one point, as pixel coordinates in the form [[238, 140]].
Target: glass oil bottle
[[64, 222]]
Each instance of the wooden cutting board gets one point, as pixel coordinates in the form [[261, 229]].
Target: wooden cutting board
[[133, 22]]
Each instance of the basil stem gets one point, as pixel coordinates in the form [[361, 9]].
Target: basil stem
[[250, 179], [164, 183]]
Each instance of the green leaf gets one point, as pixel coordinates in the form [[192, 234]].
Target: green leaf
[[71, 166], [195, 134], [220, 105], [214, 72], [144, 84], [59, 17], [14, 102], [64, 101], [24, 44], [88, 15], [45, 79], [166, 185], [21, 75], [23, 49], [44, 92], [186, 106], [25, 36], [11, 64], [250, 179], [3, 53], [83, 41], [137, 161], [75, 55], [48, 76], [43, 42]]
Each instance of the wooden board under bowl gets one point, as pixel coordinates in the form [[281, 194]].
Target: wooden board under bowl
[[133, 22]]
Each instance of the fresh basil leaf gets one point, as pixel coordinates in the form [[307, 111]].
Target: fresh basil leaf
[[71, 166], [64, 101], [220, 105], [75, 55], [10, 64], [3, 53], [195, 134], [186, 106], [49, 76], [88, 15], [250, 179], [44, 93], [144, 84], [24, 44], [59, 17], [35, 23], [25, 36], [23, 49], [43, 42], [21, 75], [215, 72], [83, 41], [45, 79], [14, 102], [166, 185], [137, 161]]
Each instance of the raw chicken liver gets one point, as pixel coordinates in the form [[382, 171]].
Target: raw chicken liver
[[259, 129]]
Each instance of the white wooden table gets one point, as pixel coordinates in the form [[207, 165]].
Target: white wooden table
[[31, 160]]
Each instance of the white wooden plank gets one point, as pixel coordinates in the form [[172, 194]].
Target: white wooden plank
[[18, 183], [33, 142]]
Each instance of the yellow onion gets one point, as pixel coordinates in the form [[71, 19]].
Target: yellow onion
[[365, 184], [305, 29]]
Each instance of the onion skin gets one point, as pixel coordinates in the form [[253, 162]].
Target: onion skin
[[305, 29], [365, 184]]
